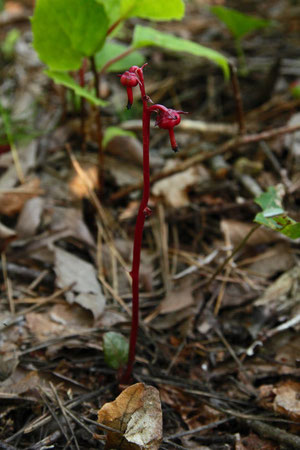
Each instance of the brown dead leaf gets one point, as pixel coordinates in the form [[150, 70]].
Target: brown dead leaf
[[284, 287], [30, 217], [27, 382], [177, 300], [254, 442], [126, 148], [287, 400], [136, 414], [13, 200], [78, 186], [277, 259], [7, 235], [236, 231], [86, 290], [42, 327], [174, 188]]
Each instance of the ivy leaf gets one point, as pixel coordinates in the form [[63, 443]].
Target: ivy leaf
[[115, 348], [66, 31], [112, 49], [238, 23], [146, 36], [67, 81]]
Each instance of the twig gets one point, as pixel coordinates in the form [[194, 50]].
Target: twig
[[7, 283], [46, 442], [238, 98], [234, 143], [200, 429], [53, 414], [98, 124], [115, 59], [192, 126], [276, 434], [46, 418], [63, 410], [232, 254], [81, 74]]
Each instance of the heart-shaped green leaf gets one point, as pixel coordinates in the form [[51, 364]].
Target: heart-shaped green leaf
[[66, 31]]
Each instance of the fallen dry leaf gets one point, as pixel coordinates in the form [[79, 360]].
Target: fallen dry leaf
[[6, 236], [13, 200], [136, 413], [30, 217], [174, 188], [177, 300], [287, 400], [236, 232], [86, 291]]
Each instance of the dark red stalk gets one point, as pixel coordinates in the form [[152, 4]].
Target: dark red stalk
[[81, 74], [143, 212], [167, 119]]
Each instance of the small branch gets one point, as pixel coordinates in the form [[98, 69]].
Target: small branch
[[238, 98], [114, 26], [276, 434], [81, 74], [95, 75], [201, 157], [232, 254], [98, 124], [116, 59]]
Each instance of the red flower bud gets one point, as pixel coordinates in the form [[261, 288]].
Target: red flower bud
[[129, 79], [168, 119]]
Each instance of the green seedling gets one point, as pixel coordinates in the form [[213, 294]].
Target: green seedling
[[115, 348], [239, 25], [273, 215]]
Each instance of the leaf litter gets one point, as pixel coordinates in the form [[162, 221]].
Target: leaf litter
[[218, 351]]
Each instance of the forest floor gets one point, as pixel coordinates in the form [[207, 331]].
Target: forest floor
[[219, 336]]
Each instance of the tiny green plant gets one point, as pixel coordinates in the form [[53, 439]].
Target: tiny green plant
[[273, 215], [115, 348], [239, 25], [166, 119]]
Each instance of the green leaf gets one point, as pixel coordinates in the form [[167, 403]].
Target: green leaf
[[67, 81], [238, 23], [295, 89], [111, 50], [273, 216], [112, 132], [153, 10], [146, 36], [9, 42], [115, 348], [292, 231], [112, 9], [270, 202], [66, 31]]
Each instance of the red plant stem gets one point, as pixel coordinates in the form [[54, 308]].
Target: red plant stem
[[138, 233], [81, 74]]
